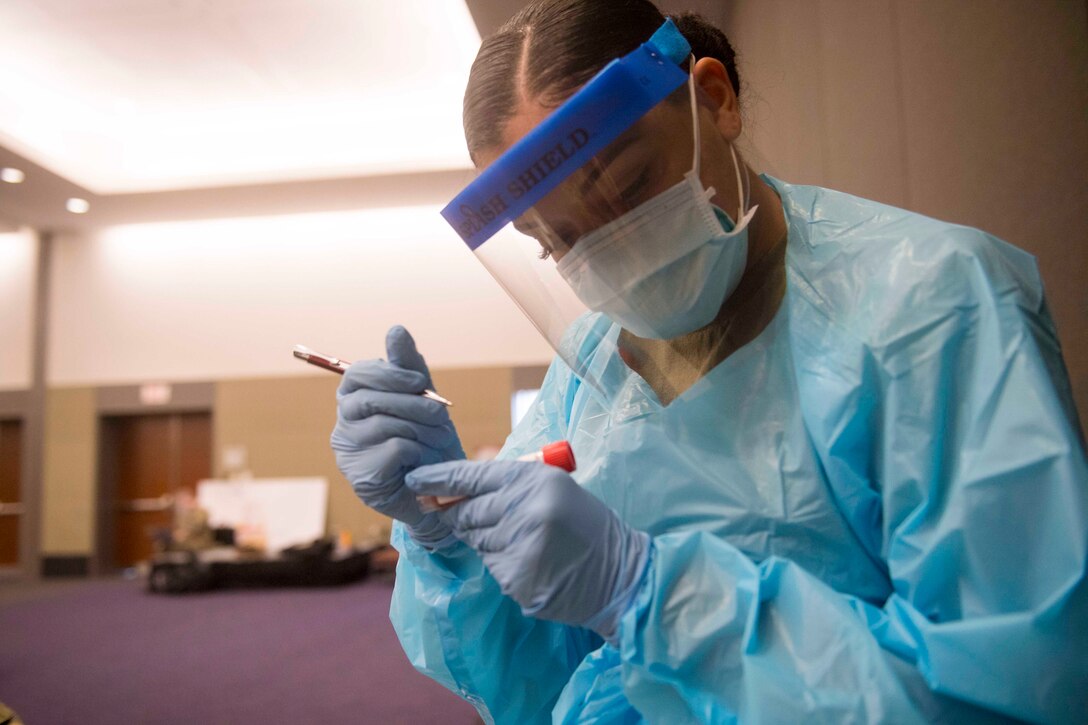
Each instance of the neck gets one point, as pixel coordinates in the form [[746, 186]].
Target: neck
[[768, 228]]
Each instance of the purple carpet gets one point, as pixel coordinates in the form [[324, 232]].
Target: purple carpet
[[104, 651]]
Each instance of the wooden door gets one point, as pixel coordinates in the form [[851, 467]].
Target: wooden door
[[152, 457], [11, 506]]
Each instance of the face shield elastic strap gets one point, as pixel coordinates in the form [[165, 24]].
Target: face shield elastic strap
[[618, 96]]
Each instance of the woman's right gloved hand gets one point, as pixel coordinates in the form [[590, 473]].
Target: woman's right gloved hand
[[385, 428]]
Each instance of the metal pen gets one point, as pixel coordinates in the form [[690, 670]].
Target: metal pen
[[338, 366]]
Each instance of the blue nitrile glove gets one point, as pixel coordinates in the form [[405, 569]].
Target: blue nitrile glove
[[385, 428], [552, 546]]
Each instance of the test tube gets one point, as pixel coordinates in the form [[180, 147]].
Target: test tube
[[558, 454]]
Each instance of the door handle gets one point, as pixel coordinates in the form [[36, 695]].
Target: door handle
[[11, 509], [162, 503]]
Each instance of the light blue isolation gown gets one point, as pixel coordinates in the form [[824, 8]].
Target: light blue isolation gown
[[876, 511]]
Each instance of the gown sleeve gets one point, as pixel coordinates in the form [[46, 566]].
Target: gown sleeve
[[979, 465], [458, 628]]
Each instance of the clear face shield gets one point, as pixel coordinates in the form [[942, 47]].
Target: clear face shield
[[597, 220]]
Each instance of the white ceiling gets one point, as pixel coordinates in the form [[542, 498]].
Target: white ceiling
[[126, 96]]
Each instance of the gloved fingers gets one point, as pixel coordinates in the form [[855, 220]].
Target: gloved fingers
[[382, 375], [397, 502], [478, 512], [365, 403], [486, 539], [429, 530], [454, 451], [401, 350], [463, 478], [488, 509], [372, 430], [377, 473]]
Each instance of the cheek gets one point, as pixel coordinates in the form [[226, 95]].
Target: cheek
[[485, 157], [674, 146]]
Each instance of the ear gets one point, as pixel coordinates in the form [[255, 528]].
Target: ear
[[711, 78]]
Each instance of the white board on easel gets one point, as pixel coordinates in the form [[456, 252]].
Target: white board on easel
[[290, 510]]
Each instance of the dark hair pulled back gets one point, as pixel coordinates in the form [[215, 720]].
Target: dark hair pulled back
[[553, 47]]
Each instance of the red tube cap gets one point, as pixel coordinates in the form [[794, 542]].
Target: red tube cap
[[559, 454]]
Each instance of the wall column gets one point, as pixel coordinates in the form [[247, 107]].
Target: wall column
[[34, 421]]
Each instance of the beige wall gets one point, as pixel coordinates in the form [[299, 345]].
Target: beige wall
[[481, 404], [69, 472], [228, 298], [284, 425]]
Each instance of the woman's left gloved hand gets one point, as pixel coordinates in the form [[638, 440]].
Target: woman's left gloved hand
[[552, 546]]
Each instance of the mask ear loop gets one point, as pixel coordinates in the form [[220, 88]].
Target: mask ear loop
[[742, 188], [694, 117]]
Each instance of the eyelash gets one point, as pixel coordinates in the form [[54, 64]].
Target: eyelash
[[629, 194], [636, 187]]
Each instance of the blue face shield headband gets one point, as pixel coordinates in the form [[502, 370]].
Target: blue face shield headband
[[609, 104]]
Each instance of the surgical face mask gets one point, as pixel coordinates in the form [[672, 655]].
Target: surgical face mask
[[665, 268]]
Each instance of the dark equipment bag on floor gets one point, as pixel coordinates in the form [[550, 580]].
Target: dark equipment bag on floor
[[313, 565]]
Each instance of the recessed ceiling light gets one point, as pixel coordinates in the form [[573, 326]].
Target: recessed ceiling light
[[77, 205], [12, 176]]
